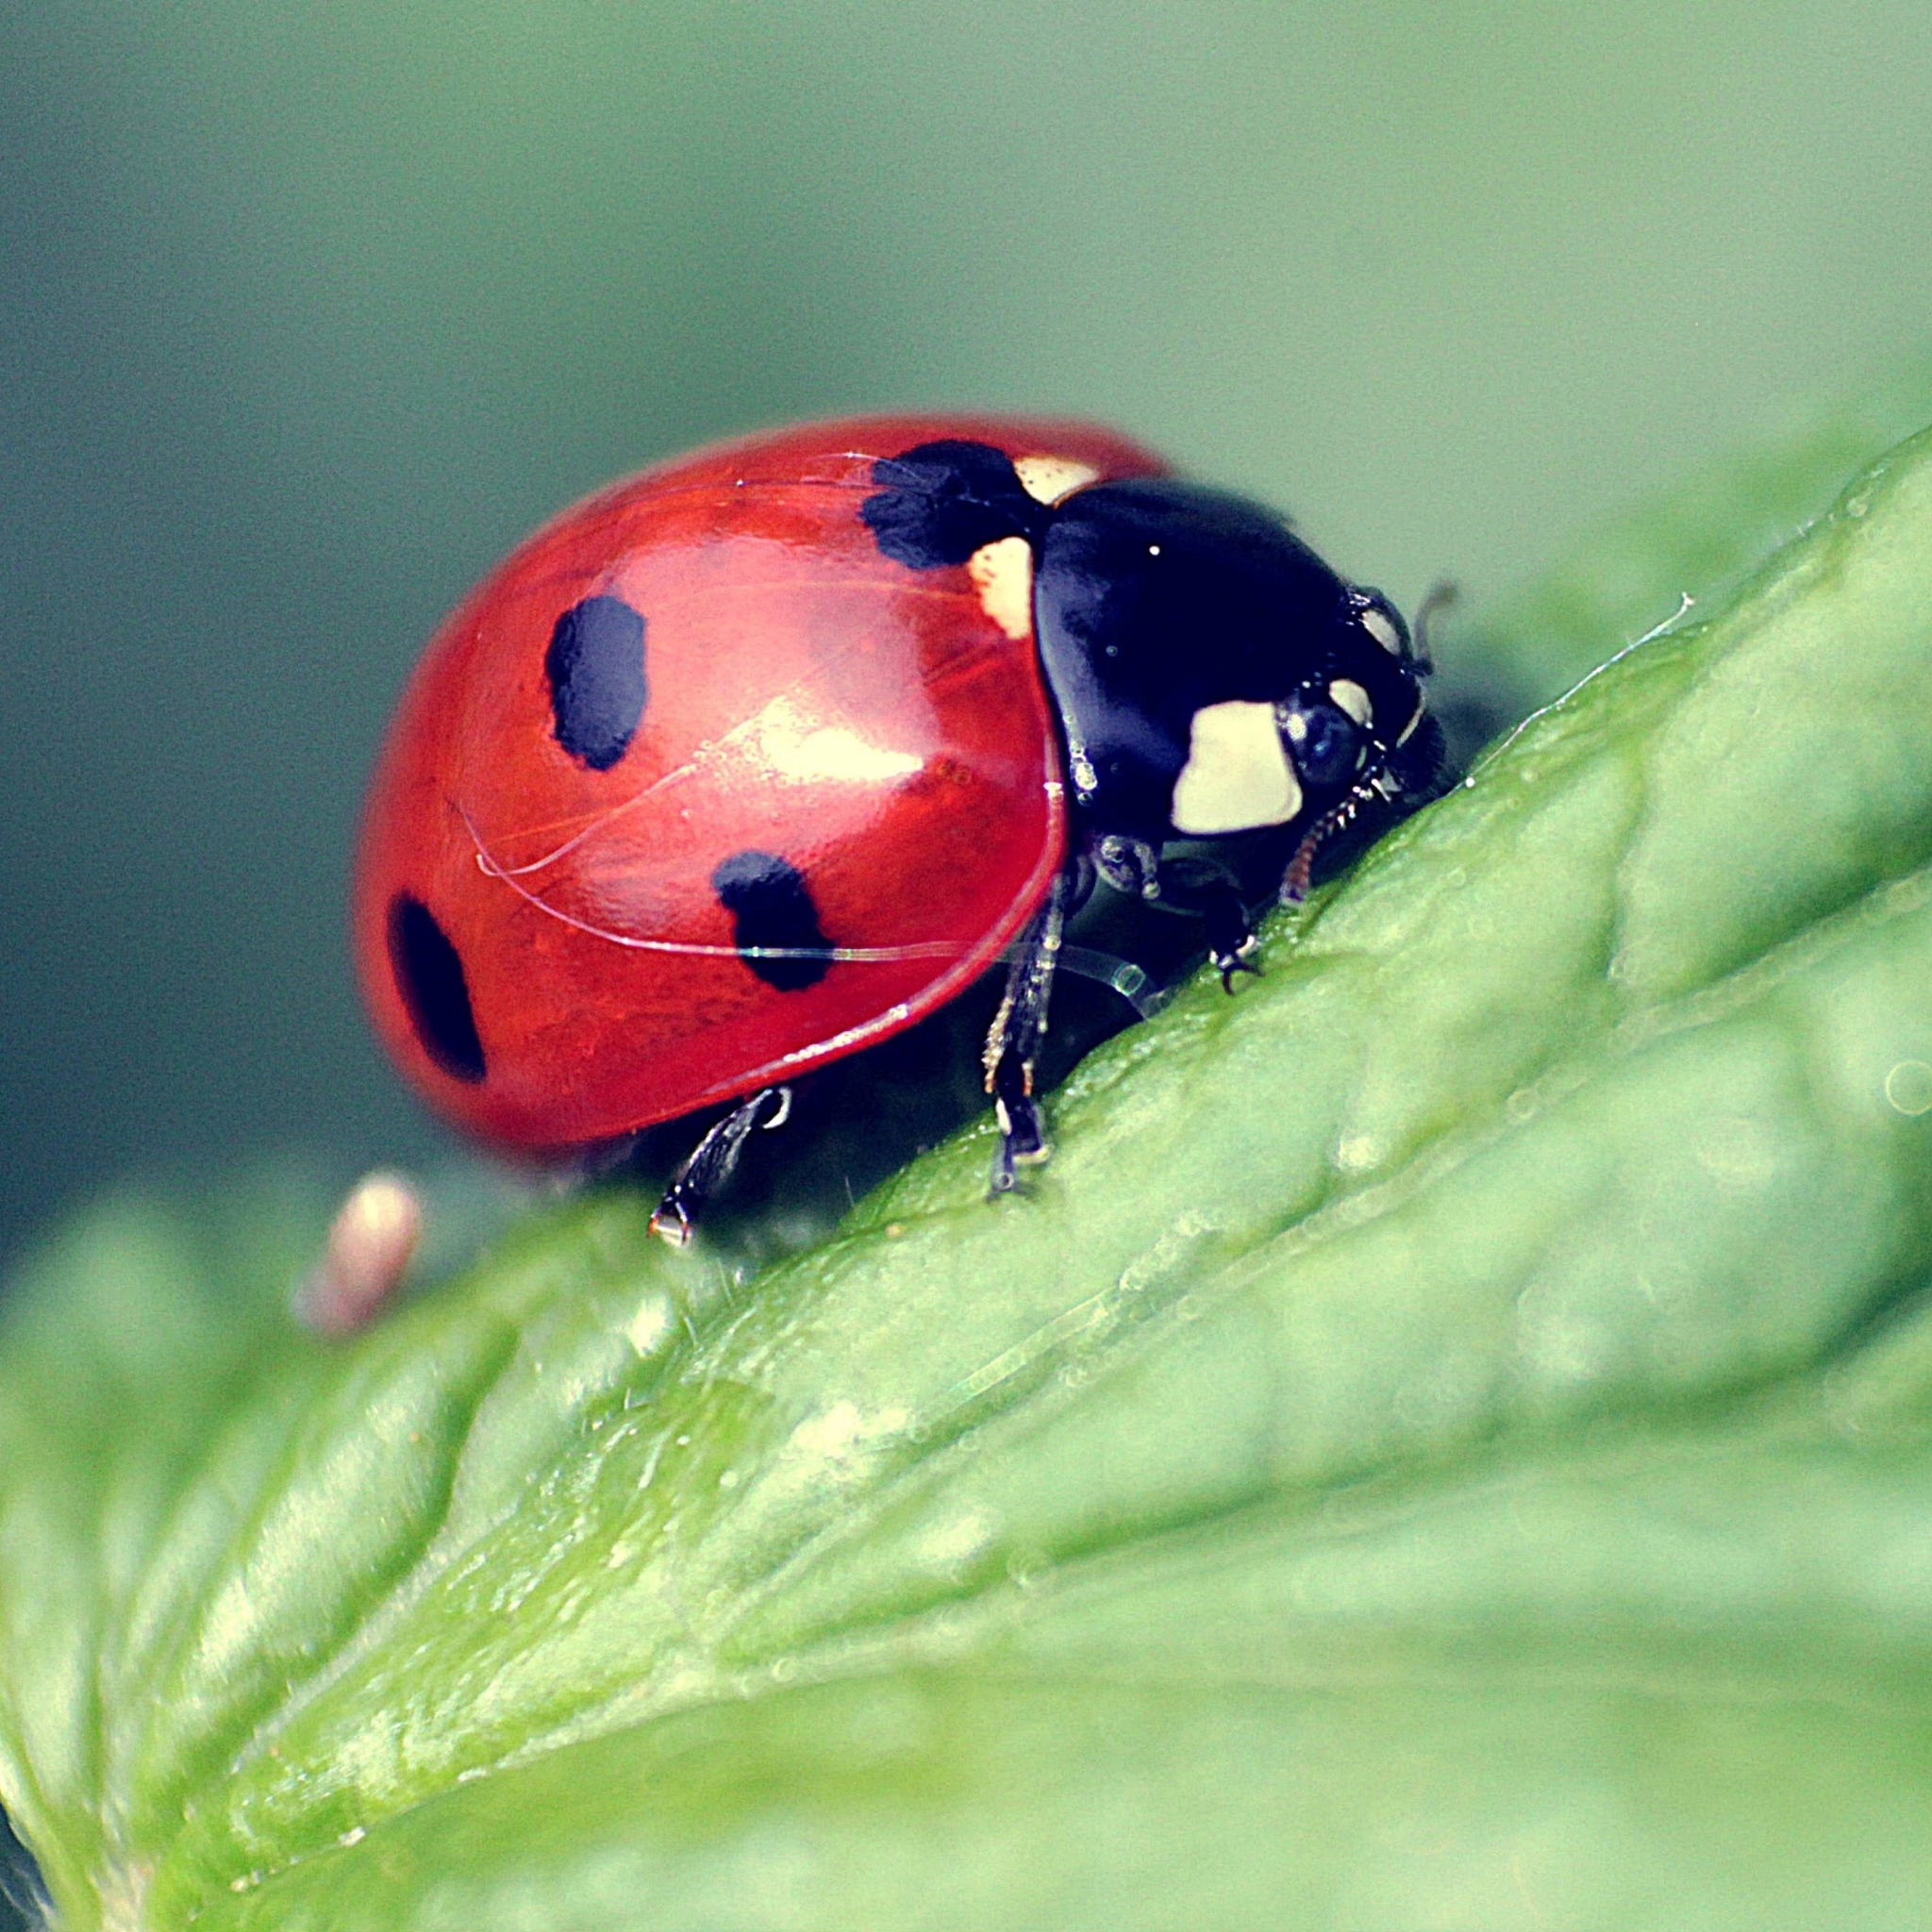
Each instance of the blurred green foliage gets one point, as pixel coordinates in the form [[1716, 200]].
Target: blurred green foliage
[[1448, 1442], [1648, 566], [309, 309]]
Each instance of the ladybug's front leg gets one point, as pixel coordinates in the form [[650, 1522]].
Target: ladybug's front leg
[[1231, 942], [1013, 1042], [1207, 892], [1135, 868]]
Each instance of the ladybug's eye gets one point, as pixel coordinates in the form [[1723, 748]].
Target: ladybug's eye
[[1325, 742]]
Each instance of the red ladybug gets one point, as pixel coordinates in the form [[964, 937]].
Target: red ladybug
[[752, 760]]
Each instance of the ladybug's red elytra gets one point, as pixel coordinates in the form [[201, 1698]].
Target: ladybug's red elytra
[[751, 760]]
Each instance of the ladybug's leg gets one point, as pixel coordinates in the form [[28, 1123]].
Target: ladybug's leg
[[1013, 1042], [1231, 944], [710, 1163], [1183, 885], [1209, 892]]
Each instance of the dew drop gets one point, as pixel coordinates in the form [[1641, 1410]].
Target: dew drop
[[1908, 1088]]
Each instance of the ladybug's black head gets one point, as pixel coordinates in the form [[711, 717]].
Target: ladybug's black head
[[1363, 743], [1371, 730], [1213, 674]]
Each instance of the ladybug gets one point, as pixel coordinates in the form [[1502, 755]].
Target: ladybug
[[756, 757]]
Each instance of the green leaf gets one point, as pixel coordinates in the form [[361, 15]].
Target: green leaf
[[1448, 1442]]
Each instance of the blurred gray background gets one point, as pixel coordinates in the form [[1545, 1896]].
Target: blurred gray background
[[306, 312]]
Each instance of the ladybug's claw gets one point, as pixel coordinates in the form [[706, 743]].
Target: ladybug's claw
[[1242, 959], [1022, 1142], [671, 1223], [1231, 946]]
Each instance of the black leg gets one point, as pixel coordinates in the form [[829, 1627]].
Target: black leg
[[1209, 892], [1013, 1042], [1231, 945], [709, 1164]]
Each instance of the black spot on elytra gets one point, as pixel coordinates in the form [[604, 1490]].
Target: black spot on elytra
[[595, 665], [941, 501], [429, 976], [771, 904]]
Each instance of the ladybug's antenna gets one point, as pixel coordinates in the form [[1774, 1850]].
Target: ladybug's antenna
[[1442, 597]]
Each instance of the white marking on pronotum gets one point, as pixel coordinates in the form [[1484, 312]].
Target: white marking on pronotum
[[1384, 633], [1002, 572], [1349, 696], [1236, 776], [1048, 479]]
